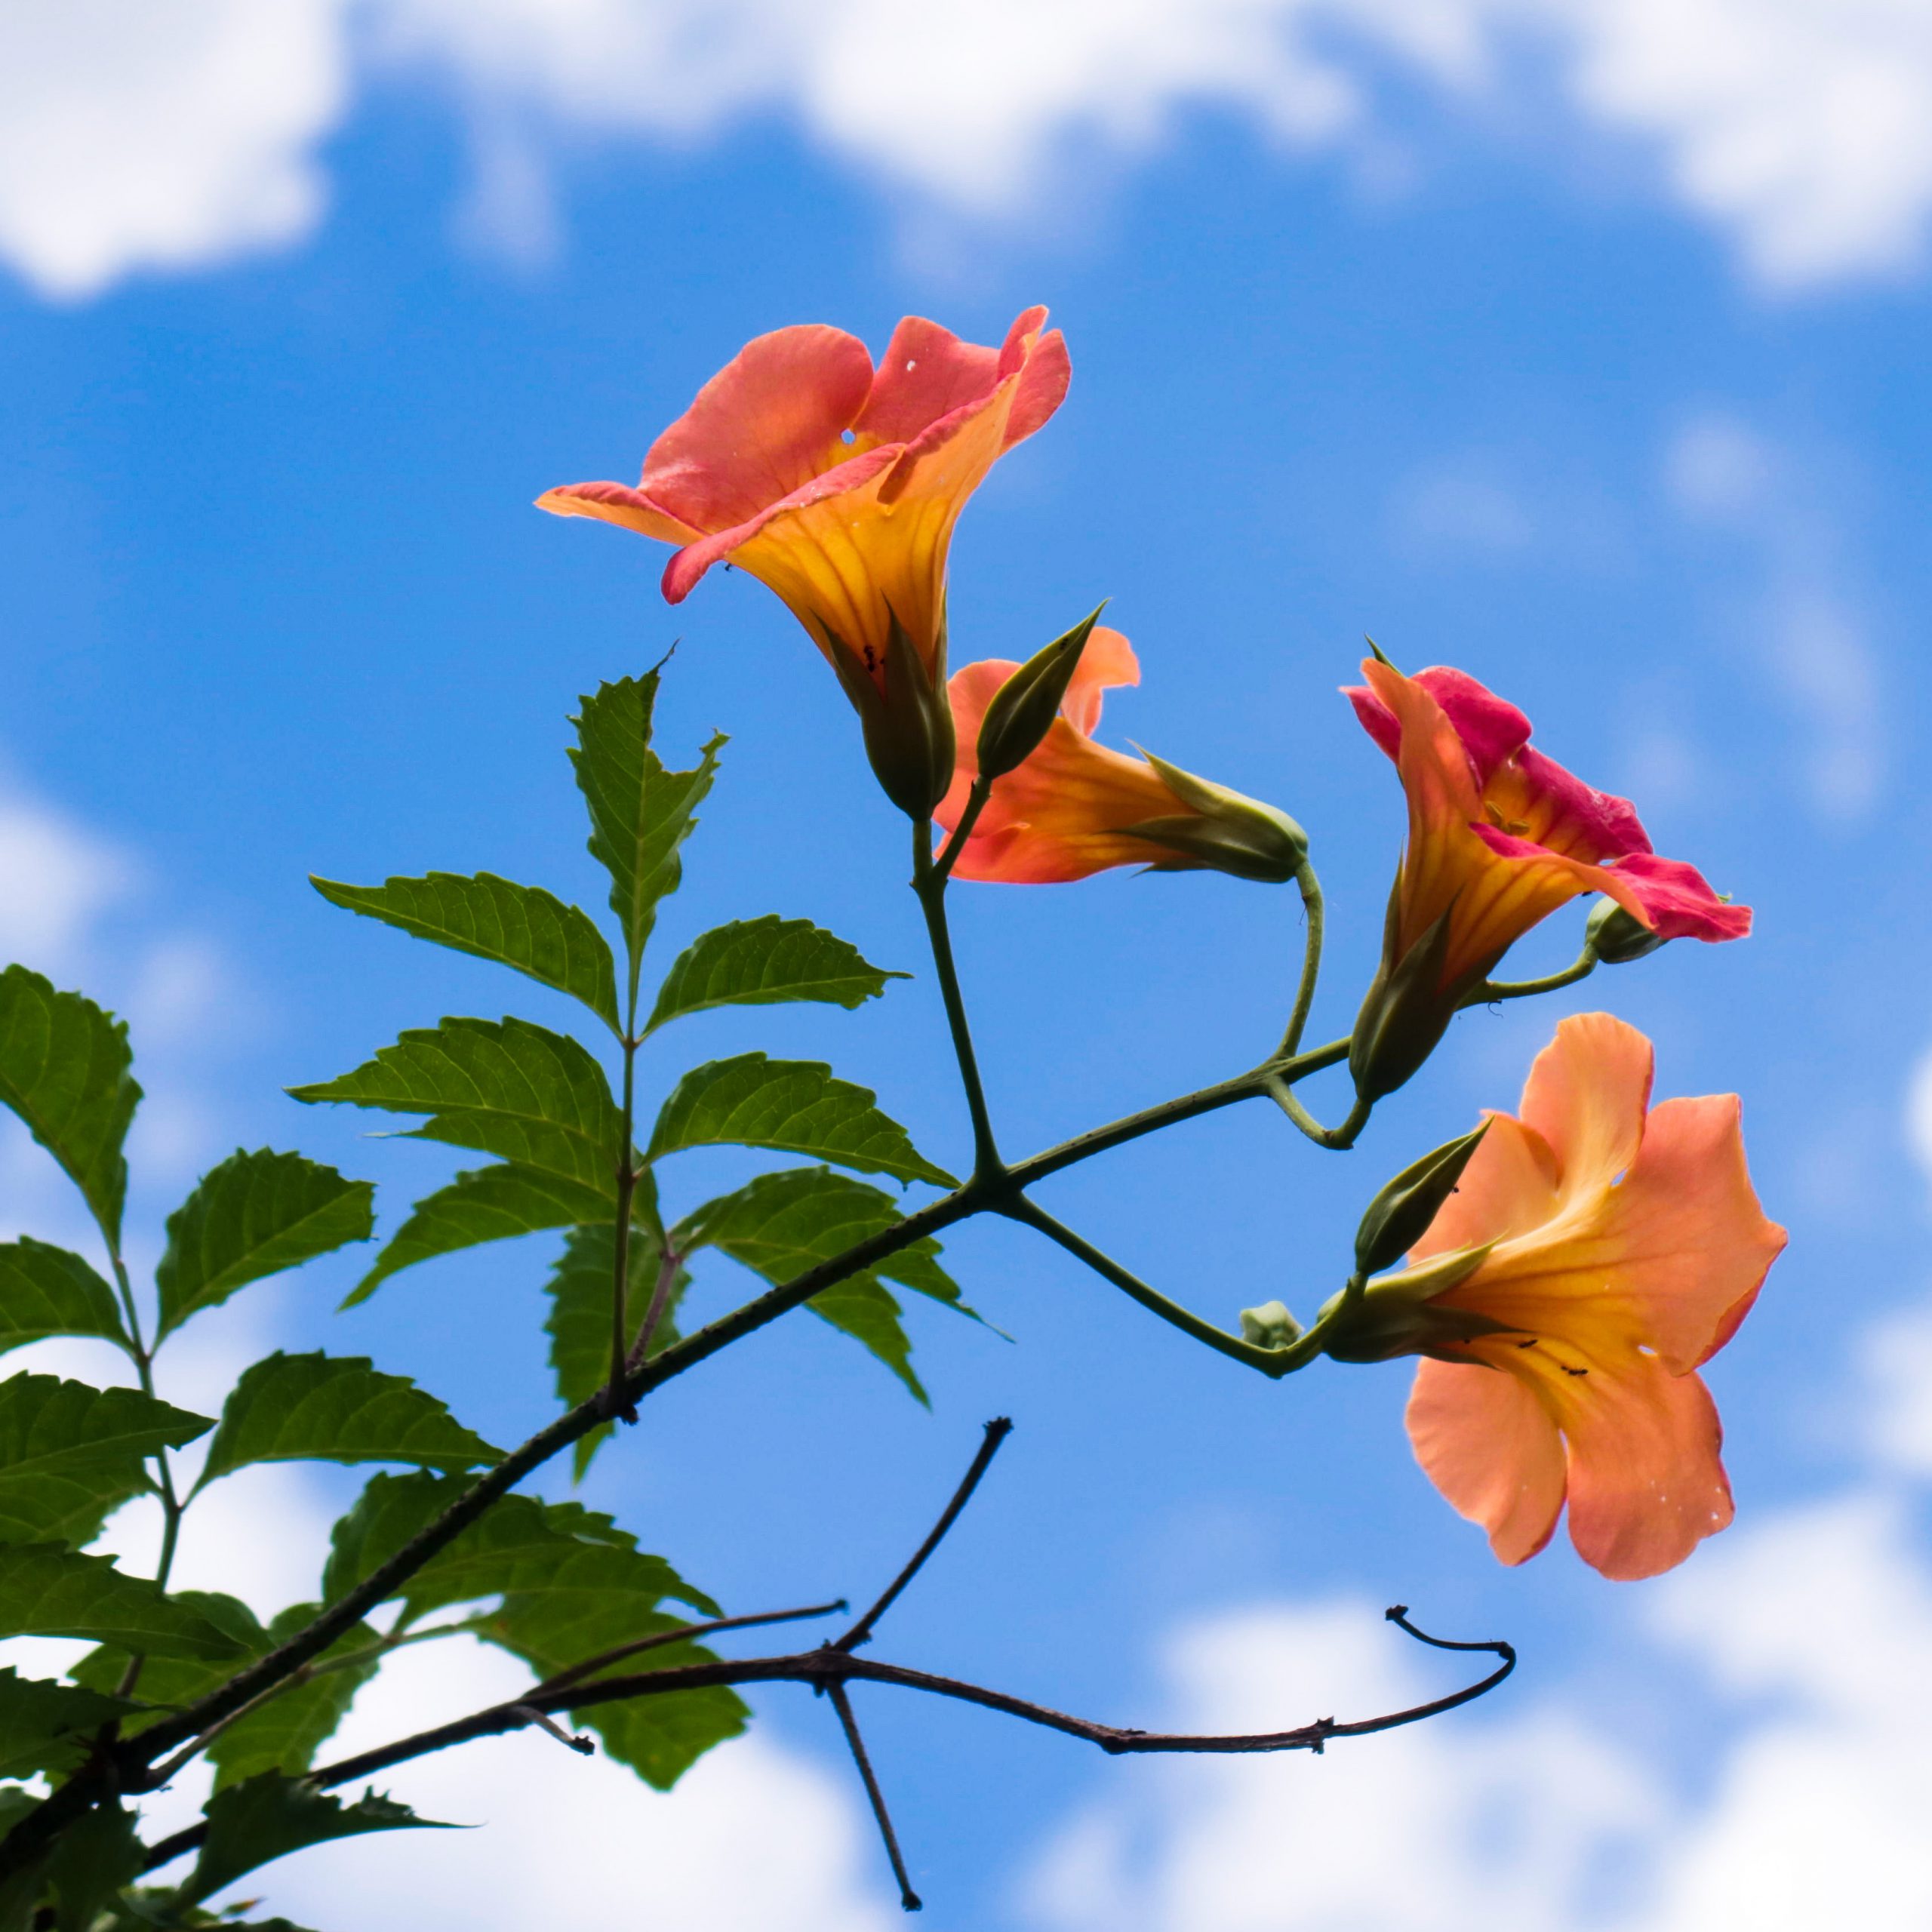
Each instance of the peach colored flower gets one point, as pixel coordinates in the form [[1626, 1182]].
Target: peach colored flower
[[1075, 807], [835, 484], [1499, 837], [1596, 1251]]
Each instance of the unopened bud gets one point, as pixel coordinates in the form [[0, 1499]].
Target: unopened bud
[[1023, 708], [1270, 1326], [1616, 937]]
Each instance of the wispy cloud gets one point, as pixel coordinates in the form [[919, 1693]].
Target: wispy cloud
[[171, 134]]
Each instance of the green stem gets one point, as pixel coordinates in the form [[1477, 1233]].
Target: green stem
[[1334, 1138], [976, 803], [1492, 990], [1270, 1362], [929, 882], [1311, 959]]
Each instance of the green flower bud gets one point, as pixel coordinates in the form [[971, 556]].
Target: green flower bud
[[1400, 1214], [1223, 830], [1270, 1326], [1618, 936], [1024, 708]]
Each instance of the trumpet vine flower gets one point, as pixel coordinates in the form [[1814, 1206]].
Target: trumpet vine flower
[[834, 483], [1498, 837], [1075, 806], [1595, 1252]]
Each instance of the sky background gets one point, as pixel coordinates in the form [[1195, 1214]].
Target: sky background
[[1576, 343]]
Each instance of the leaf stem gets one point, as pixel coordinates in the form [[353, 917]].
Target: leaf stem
[[616, 1403], [1491, 990], [976, 803]]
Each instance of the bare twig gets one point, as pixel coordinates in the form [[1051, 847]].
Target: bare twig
[[908, 1899], [583, 1746], [997, 1431], [590, 1666]]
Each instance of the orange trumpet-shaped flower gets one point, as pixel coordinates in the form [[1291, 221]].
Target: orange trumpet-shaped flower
[[1596, 1251], [1499, 837], [1075, 807], [835, 484]]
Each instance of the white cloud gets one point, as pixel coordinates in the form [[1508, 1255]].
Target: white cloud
[[1805, 621], [1807, 1634], [56, 880], [176, 134], [756, 1838], [159, 134]]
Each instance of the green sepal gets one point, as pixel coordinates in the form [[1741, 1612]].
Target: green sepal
[[1023, 708], [1407, 1008], [1400, 1215], [907, 727], [1225, 831], [1399, 1314]]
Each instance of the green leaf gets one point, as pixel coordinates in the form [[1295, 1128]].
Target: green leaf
[[660, 1738], [47, 1726], [505, 1087], [793, 1105], [253, 1215], [49, 1591], [64, 1069], [780, 1225], [519, 926], [47, 1291], [521, 1546], [267, 1817], [91, 1860], [759, 962], [578, 1324], [336, 1409], [172, 1683], [485, 1204], [71, 1454], [640, 812], [287, 1731]]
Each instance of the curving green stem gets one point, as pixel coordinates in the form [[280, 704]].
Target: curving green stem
[[1311, 959], [976, 803], [1491, 990], [929, 882]]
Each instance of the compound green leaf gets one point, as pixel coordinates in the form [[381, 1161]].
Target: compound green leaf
[[269, 1815], [337, 1409], [64, 1069], [46, 1291], [521, 1546], [519, 926], [660, 1738], [640, 812], [759, 962], [795, 1106], [169, 1684], [578, 1323], [255, 1215], [486, 1204], [47, 1726], [91, 1860], [46, 1591], [505, 1087]]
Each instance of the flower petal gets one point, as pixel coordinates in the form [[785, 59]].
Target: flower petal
[[1676, 902], [1586, 1095], [1647, 1483], [1487, 1443], [1688, 1233], [926, 373], [1509, 1187], [767, 423], [617, 503], [1107, 664]]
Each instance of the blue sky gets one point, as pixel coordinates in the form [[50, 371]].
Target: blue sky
[[1577, 345]]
